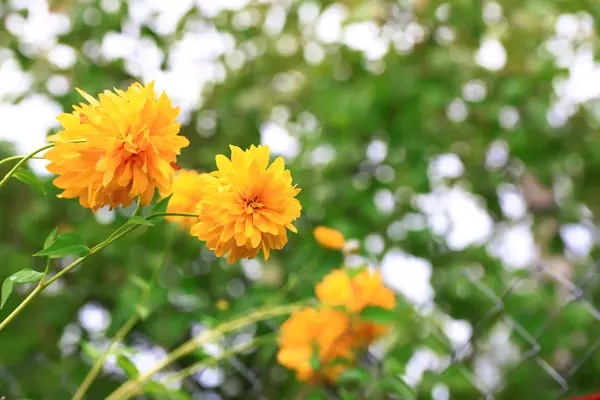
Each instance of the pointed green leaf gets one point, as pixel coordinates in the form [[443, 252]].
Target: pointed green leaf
[[90, 350], [29, 178], [315, 394], [396, 386], [139, 282], [315, 362], [378, 315], [65, 245], [159, 391], [161, 206], [51, 238], [26, 275], [127, 366], [345, 395], [142, 311], [354, 375], [137, 220], [7, 288]]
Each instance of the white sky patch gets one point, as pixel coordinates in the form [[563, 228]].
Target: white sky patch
[[578, 238], [408, 275], [94, 318], [329, 24], [279, 140], [26, 132], [366, 37], [458, 216], [515, 246], [491, 55]]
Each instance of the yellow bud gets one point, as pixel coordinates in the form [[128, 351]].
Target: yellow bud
[[222, 305], [329, 238]]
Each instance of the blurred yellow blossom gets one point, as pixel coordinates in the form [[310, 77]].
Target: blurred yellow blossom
[[329, 238], [311, 340], [247, 205], [366, 289], [186, 192], [222, 305], [129, 141]]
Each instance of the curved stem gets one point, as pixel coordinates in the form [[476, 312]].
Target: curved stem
[[95, 249], [138, 206], [131, 387], [23, 161], [9, 159], [100, 362], [21, 306], [189, 370], [168, 214], [127, 326]]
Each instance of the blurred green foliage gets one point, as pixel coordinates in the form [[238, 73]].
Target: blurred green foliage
[[415, 100]]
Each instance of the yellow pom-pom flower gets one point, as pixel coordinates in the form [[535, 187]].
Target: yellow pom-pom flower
[[130, 140], [319, 335], [329, 238], [247, 205], [186, 193], [366, 289]]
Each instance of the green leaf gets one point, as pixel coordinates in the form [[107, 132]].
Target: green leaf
[[139, 282], [137, 220], [161, 206], [345, 395], [315, 362], [29, 178], [353, 271], [127, 366], [354, 375], [90, 350], [341, 309], [51, 238], [396, 386], [142, 311], [65, 245], [7, 288], [23, 276], [315, 394], [378, 315], [162, 392], [26, 275]]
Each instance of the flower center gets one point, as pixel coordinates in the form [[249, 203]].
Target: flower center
[[253, 204]]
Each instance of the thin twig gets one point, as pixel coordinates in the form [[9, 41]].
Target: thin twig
[[75, 263], [191, 369], [127, 326], [131, 387]]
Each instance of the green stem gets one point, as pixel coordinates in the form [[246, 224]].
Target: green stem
[[167, 214], [23, 161], [18, 158], [28, 157], [189, 370], [131, 387], [111, 239], [122, 227], [127, 326]]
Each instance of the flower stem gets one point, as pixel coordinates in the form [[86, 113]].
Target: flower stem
[[23, 161], [43, 285], [131, 387], [167, 214], [189, 370], [9, 159], [89, 379], [127, 326]]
